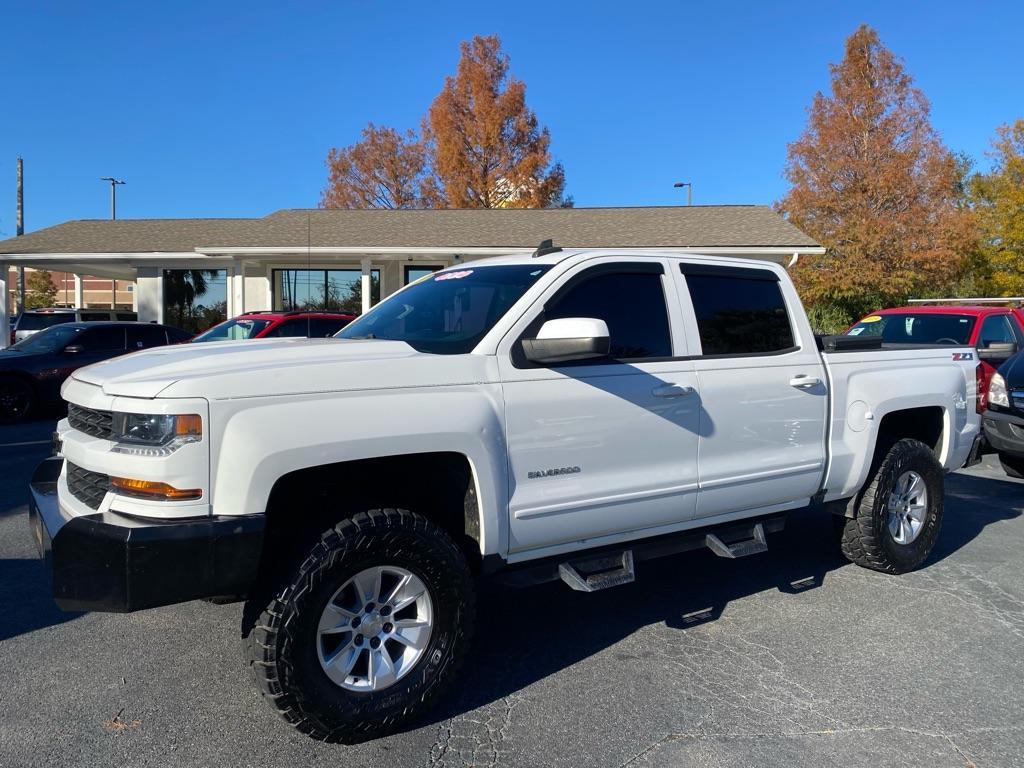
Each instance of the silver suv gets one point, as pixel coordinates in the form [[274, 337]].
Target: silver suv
[[32, 320]]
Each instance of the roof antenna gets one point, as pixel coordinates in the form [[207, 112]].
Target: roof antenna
[[546, 247]]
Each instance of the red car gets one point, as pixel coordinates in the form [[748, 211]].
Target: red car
[[962, 325], [267, 325]]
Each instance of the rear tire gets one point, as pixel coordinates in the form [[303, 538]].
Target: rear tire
[[891, 533], [1012, 465], [290, 651], [17, 399]]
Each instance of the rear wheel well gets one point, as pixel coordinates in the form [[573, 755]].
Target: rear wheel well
[[925, 424], [304, 503]]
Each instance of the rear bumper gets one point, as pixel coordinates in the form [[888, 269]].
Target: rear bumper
[[110, 562], [1004, 432]]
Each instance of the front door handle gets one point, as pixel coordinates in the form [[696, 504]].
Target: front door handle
[[673, 390], [804, 382]]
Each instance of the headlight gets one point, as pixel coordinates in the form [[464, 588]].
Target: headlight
[[997, 392], [146, 434]]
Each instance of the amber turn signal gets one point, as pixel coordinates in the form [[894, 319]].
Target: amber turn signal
[[188, 424], [147, 489]]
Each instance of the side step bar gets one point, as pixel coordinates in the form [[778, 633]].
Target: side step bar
[[752, 546], [596, 573]]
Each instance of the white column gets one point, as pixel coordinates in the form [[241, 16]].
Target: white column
[[79, 292], [5, 307], [366, 284], [236, 292], [135, 297], [113, 294], [149, 294]]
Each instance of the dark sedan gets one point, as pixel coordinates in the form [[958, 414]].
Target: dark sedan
[[32, 371]]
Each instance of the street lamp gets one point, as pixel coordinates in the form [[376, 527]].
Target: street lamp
[[689, 190], [113, 193]]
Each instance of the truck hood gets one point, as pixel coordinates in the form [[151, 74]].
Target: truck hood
[[259, 368]]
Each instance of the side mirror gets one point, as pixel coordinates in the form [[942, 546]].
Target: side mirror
[[998, 351], [570, 338], [73, 349]]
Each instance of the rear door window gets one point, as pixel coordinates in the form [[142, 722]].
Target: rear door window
[[92, 316], [297, 327], [325, 326], [36, 321], [996, 330], [739, 311], [145, 336]]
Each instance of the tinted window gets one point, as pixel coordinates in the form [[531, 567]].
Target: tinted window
[[996, 330], [127, 316], [448, 313], [296, 327], [102, 339], [142, 336], [917, 328], [49, 339], [89, 316], [233, 330], [176, 335], [739, 316], [633, 306], [32, 321], [323, 327]]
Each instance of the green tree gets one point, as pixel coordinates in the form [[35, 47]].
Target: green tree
[[181, 289], [998, 200], [40, 290]]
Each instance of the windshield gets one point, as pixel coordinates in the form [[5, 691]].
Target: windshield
[[233, 330], [36, 321], [448, 312], [49, 340], [922, 328]]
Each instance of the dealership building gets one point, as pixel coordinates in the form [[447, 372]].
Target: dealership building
[[326, 258]]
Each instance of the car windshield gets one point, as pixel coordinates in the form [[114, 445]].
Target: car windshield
[[36, 321], [48, 340], [447, 312], [233, 330], [917, 328]]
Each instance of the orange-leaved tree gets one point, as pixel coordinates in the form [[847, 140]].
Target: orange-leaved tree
[[998, 199], [488, 148], [873, 182], [386, 169]]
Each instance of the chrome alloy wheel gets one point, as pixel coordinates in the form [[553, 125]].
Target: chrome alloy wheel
[[907, 507], [375, 628]]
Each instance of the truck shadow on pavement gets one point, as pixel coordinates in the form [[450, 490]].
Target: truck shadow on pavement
[[555, 628], [25, 600]]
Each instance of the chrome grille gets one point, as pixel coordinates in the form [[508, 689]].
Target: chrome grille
[[88, 487], [92, 422]]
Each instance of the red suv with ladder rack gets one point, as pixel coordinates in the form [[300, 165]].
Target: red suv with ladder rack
[[993, 328], [268, 325]]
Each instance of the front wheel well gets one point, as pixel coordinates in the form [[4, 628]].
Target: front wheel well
[[439, 486]]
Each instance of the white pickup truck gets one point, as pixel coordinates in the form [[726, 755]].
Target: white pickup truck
[[564, 415]]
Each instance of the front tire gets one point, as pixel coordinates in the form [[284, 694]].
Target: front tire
[[900, 512], [1012, 465], [367, 631], [17, 399]]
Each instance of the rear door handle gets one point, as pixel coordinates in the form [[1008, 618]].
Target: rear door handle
[[673, 390], [804, 382]]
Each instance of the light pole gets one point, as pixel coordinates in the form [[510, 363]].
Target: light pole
[[113, 193], [689, 190]]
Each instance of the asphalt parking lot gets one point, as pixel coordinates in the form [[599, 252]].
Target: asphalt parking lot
[[851, 668]]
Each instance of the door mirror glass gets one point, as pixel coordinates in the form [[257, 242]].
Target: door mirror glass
[[73, 349], [997, 351], [568, 338]]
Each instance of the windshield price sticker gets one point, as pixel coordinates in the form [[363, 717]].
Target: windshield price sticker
[[454, 275]]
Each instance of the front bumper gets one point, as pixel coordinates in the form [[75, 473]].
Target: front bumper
[[111, 562], [1004, 432]]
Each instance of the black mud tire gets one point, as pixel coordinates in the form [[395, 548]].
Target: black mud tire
[[17, 399], [866, 539], [280, 643], [1013, 466]]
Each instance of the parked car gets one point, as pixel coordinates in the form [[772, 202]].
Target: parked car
[[270, 325], [559, 416], [1003, 420], [994, 332], [32, 371], [34, 320]]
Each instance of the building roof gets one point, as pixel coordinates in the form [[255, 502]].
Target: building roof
[[743, 226]]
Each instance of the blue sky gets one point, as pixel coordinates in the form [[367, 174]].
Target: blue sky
[[218, 109]]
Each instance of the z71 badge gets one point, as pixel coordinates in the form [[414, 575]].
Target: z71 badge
[[963, 355], [553, 472]]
